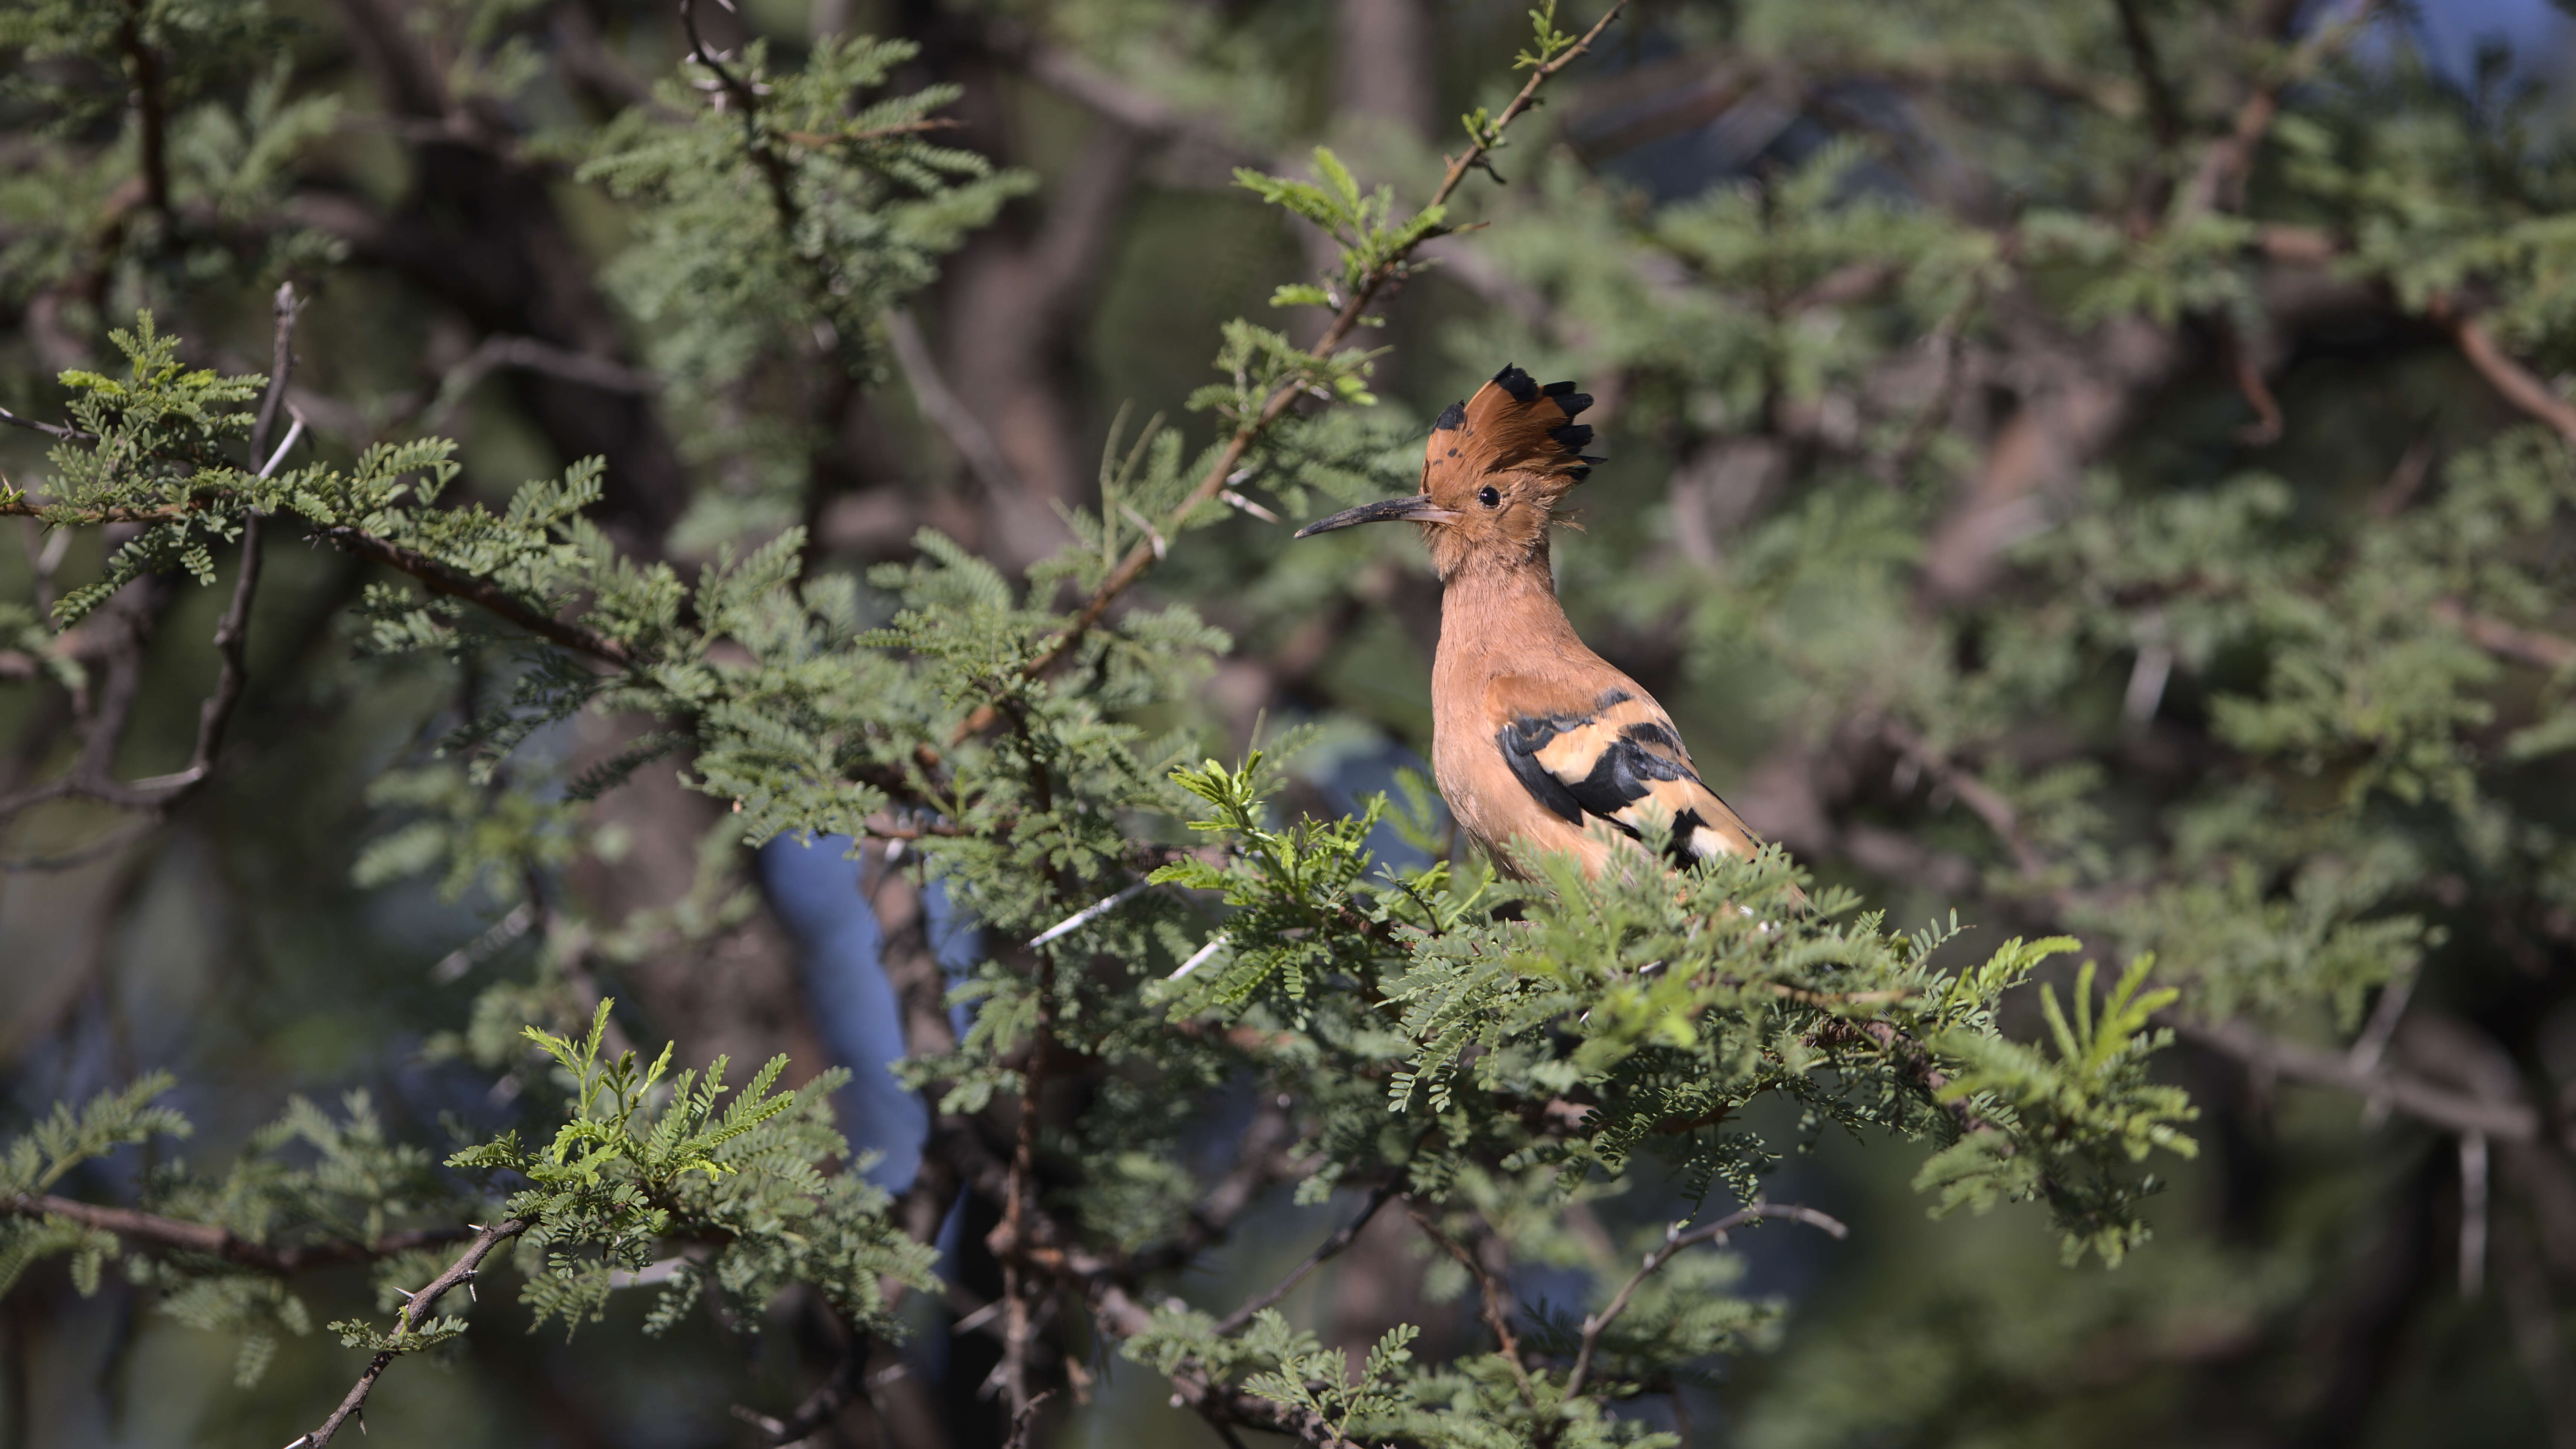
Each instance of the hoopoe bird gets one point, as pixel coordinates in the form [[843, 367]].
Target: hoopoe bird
[[1535, 739]]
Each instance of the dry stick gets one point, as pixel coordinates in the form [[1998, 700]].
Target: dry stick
[[1674, 1241], [415, 1313], [1342, 1238], [1142, 556], [151, 1230]]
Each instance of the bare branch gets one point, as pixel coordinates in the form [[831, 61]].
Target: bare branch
[[51, 430], [2519, 385], [176, 1235], [1675, 1240], [945, 410], [2219, 183], [2508, 641], [152, 117], [232, 635], [415, 1313], [1347, 1234], [2455, 1111], [1980, 797]]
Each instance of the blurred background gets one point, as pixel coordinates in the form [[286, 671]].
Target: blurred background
[[1801, 255]]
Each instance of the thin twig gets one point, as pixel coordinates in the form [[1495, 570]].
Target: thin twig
[[1089, 913], [1347, 1234], [2473, 1213], [1250, 430], [415, 1313], [1987, 802], [2219, 183], [1675, 1240], [51, 430], [946, 411]]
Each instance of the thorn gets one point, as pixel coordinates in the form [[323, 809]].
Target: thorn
[[1247, 505]]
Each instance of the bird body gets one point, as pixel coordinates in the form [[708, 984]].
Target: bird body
[[1537, 742]]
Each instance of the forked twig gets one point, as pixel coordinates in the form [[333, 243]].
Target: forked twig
[[1675, 1240]]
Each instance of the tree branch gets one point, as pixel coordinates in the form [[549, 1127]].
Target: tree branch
[[2518, 384], [946, 411], [177, 1235], [1347, 1234], [487, 596], [2454, 1111], [152, 122], [2508, 641], [415, 1313], [1493, 1296], [2164, 118], [232, 635], [1675, 1240]]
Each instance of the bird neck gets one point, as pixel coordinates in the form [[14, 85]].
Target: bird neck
[[1501, 609]]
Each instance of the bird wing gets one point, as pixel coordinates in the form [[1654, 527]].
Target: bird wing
[[1617, 759]]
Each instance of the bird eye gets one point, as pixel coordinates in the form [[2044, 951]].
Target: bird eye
[[1490, 497]]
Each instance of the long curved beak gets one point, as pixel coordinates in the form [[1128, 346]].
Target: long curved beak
[[1414, 509]]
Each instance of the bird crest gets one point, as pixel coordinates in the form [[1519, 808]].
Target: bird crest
[[1500, 461]]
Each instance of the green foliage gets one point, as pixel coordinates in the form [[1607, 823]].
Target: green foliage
[[640, 1162], [1364, 227], [2226, 715], [804, 218]]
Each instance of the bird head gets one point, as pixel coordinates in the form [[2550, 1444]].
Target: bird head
[[1491, 476]]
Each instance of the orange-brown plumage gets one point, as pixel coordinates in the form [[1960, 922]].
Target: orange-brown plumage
[[1537, 742]]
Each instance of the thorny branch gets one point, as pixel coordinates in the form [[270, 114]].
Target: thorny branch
[[415, 1313]]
